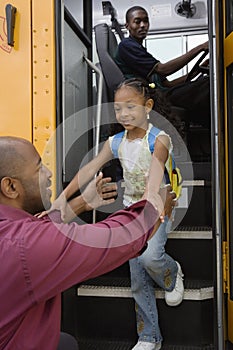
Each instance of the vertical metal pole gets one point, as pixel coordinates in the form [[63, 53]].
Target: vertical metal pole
[[98, 113], [216, 195], [87, 27]]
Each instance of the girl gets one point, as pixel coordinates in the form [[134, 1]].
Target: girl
[[132, 105]]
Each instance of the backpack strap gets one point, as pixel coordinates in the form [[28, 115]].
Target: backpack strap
[[172, 177], [118, 138], [116, 143], [151, 140], [153, 133]]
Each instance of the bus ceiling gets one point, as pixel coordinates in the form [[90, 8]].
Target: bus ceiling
[[164, 15]]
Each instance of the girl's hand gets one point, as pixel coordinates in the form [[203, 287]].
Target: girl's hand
[[99, 192], [169, 200], [59, 204]]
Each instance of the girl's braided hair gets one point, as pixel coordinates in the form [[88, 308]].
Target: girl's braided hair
[[140, 85], [161, 102]]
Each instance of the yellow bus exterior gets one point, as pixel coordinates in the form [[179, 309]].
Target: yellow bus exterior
[[27, 70]]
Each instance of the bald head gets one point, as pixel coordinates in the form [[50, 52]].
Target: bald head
[[12, 157], [24, 180]]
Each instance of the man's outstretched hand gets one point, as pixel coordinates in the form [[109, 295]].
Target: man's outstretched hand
[[98, 192]]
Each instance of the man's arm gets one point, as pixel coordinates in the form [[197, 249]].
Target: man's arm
[[99, 192], [86, 173], [74, 253], [83, 176], [176, 64]]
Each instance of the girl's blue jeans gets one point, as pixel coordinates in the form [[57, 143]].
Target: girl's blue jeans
[[153, 266]]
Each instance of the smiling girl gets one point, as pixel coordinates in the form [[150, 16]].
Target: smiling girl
[[135, 147]]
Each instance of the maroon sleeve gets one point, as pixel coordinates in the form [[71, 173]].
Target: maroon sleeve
[[58, 256]]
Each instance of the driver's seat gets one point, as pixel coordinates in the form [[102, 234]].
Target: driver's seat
[[106, 46]]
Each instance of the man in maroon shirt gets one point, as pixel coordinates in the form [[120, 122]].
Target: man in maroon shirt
[[40, 258]]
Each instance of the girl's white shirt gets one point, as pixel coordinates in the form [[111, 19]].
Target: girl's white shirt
[[135, 158]]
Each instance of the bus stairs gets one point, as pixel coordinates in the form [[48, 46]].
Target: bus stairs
[[100, 313]]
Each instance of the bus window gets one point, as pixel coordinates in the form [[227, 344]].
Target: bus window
[[165, 48]]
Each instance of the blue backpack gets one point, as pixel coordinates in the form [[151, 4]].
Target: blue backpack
[[173, 176]]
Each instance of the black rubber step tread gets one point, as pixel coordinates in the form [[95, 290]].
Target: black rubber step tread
[[104, 345], [193, 228], [108, 281], [125, 282], [187, 347], [117, 345]]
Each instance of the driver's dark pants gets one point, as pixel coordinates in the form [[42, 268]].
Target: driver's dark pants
[[194, 98], [67, 342]]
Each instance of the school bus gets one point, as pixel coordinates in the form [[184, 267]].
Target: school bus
[[51, 94]]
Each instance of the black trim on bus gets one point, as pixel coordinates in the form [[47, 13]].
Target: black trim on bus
[[87, 42], [76, 28], [59, 143], [230, 168]]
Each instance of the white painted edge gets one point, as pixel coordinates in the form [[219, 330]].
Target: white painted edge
[[125, 292]]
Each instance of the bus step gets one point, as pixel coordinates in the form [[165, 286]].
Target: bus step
[[191, 232], [104, 345], [120, 288], [118, 345]]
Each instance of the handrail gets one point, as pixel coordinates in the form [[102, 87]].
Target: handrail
[[98, 113], [214, 93]]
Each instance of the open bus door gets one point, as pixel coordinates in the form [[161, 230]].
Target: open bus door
[[222, 170], [228, 100]]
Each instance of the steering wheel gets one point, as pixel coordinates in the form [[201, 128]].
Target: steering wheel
[[197, 68]]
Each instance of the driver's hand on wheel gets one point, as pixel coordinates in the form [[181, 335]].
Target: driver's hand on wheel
[[205, 46], [205, 63]]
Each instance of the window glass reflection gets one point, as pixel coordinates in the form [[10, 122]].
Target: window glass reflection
[[76, 8], [167, 48]]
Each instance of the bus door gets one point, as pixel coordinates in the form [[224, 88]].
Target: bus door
[[75, 117], [221, 45], [228, 100]]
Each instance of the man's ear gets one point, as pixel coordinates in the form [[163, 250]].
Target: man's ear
[[149, 105], [126, 25], [9, 187]]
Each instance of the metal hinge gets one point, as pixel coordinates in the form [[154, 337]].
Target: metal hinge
[[225, 266]]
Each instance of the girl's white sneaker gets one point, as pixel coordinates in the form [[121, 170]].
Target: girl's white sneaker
[[143, 345], [175, 297]]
